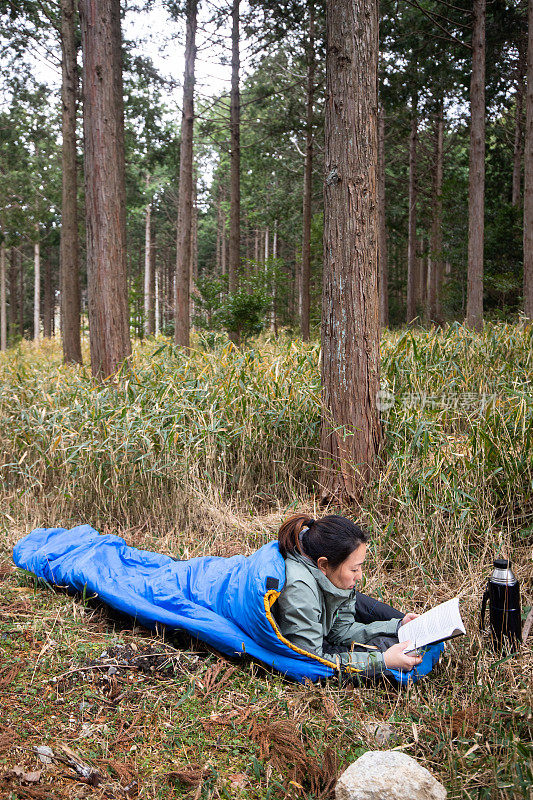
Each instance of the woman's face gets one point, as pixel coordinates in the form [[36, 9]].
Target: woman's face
[[348, 573]]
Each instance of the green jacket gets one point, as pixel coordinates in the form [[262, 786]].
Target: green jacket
[[312, 613]]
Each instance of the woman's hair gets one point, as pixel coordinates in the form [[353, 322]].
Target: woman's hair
[[332, 537]]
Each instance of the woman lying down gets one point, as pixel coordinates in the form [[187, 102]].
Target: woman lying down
[[319, 609]]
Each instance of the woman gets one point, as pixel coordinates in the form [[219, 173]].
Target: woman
[[319, 609]]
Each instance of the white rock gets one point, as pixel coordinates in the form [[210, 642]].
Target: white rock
[[388, 775], [45, 753], [381, 732]]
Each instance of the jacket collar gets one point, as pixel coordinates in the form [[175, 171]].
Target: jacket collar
[[324, 583]]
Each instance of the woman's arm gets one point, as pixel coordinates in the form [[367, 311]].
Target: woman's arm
[[298, 612]]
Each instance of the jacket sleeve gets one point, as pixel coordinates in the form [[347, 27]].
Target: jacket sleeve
[[346, 630], [299, 615]]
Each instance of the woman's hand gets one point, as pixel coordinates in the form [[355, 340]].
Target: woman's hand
[[408, 617], [396, 657]]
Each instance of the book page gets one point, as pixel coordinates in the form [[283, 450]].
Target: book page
[[436, 624]]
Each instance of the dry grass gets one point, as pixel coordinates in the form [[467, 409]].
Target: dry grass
[[455, 490]]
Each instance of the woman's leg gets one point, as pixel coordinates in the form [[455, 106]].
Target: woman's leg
[[368, 609]]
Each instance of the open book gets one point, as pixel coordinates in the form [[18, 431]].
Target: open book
[[439, 623]]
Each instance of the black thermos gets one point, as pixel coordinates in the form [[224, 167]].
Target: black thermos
[[503, 595]]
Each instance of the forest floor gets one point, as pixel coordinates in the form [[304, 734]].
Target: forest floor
[[119, 712]]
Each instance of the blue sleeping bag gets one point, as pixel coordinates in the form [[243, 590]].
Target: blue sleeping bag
[[225, 602]]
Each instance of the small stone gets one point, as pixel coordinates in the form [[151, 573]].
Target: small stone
[[104, 654], [45, 754], [112, 671], [84, 706], [381, 732], [388, 775]]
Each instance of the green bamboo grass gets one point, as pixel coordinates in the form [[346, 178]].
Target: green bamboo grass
[[244, 424]]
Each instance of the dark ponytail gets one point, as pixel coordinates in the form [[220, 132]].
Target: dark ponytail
[[331, 537]]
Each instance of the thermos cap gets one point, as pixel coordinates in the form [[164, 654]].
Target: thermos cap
[[502, 563]]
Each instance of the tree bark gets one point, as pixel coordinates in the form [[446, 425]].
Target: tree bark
[[528, 176], [518, 149], [3, 303], [411, 234], [476, 177], [48, 301], [148, 269], [157, 301], [350, 430], [218, 247], [382, 226], [421, 272], [105, 196], [21, 298], [235, 157], [36, 289], [183, 255], [435, 246], [13, 298], [69, 245], [308, 177]]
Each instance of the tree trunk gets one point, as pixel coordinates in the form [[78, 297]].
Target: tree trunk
[[105, 196], [69, 246], [148, 282], [476, 177], [48, 301], [157, 302], [235, 157], [183, 255], [421, 272], [223, 246], [382, 226], [308, 178], [13, 299], [3, 304], [21, 297], [518, 149], [435, 246], [36, 289], [274, 280], [151, 288], [218, 247], [411, 234], [351, 430], [528, 176], [193, 271]]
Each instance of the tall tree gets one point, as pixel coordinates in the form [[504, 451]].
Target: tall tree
[[308, 176], [235, 156], [435, 245], [3, 304], [149, 322], [528, 175], [183, 257], [13, 296], [103, 118], [412, 274], [476, 174], [69, 245], [351, 430], [48, 300], [382, 225], [36, 284]]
